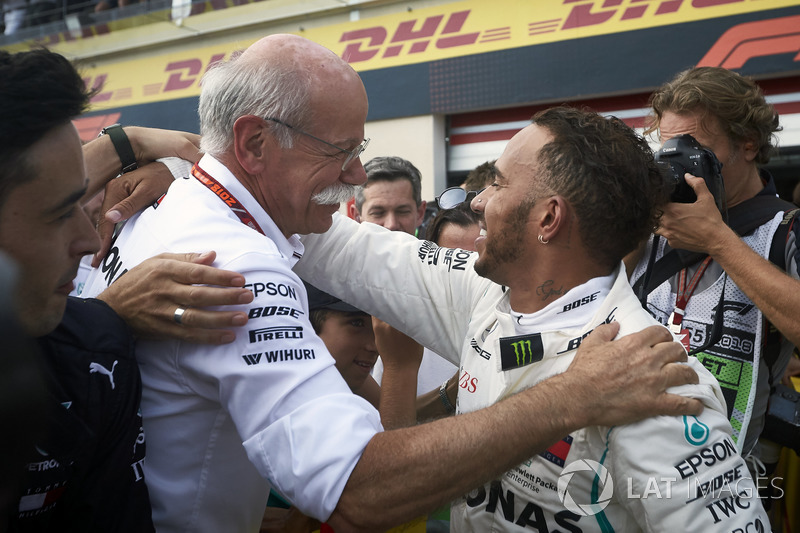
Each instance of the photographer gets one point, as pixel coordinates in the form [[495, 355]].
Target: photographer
[[737, 312]]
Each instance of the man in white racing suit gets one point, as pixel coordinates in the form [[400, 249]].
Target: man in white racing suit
[[574, 192]]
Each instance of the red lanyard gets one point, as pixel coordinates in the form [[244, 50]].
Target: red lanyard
[[230, 200], [684, 293]]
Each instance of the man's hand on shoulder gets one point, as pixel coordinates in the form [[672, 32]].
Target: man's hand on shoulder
[[625, 380], [127, 195], [148, 295]]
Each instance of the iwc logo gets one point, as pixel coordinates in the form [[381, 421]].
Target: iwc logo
[[602, 487]]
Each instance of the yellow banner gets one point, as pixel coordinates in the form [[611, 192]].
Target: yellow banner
[[422, 35]]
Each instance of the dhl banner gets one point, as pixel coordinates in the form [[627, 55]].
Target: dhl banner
[[437, 33]]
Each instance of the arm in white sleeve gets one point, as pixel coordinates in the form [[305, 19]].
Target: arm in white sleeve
[[424, 291]]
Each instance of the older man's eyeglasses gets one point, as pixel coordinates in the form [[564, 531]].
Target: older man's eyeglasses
[[351, 154], [454, 196]]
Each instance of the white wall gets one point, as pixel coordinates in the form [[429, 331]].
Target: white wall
[[419, 139]]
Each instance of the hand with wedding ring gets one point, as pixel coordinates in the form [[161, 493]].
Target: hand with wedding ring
[[166, 296], [177, 316]]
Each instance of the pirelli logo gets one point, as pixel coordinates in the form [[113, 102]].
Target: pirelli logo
[[276, 332]]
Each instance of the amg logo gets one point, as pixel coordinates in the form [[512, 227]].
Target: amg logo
[[278, 356], [276, 332], [483, 353]]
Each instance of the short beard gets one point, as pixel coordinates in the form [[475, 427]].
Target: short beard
[[335, 194], [507, 248]]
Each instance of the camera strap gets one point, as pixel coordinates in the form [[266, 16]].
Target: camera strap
[[685, 291], [743, 218]]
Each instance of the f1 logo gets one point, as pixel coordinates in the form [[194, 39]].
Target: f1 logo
[[754, 39]]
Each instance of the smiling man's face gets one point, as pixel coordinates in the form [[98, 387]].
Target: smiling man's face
[[506, 205]]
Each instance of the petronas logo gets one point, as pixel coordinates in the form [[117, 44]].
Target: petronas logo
[[696, 432]]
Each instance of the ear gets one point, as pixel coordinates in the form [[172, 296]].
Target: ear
[[251, 142], [552, 217], [354, 212], [750, 150], [421, 212]]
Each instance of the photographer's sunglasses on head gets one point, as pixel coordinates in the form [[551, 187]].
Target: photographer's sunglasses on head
[[454, 196]]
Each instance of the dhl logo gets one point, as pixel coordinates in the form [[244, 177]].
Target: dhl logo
[[443, 31], [461, 29], [181, 75], [370, 41]]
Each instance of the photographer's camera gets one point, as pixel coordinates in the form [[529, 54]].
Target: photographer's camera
[[683, 154]]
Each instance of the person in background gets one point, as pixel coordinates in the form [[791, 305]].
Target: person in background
[[392, 195], [736, 312], [479, 177], [347, 333]]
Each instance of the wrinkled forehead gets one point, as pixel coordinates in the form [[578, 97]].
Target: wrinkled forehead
[[394, 190], [696, 123]]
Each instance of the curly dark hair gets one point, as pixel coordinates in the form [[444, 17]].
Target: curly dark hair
[[607, 174], [39, 90], [736, 101]]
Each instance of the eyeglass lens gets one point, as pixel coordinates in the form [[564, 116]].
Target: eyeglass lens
[[454, 196], [357, 151]]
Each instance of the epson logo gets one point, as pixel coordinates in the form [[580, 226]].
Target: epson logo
[[276, 332], [272, 289], [708, 456]]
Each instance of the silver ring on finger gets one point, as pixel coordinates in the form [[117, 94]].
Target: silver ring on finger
[[177, 316]]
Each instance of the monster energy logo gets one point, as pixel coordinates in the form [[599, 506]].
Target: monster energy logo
[[516, 352], [523, 349]]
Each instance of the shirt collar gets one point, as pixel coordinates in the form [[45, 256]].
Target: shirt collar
[[574, 309], [290, 248], [769, 184]]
